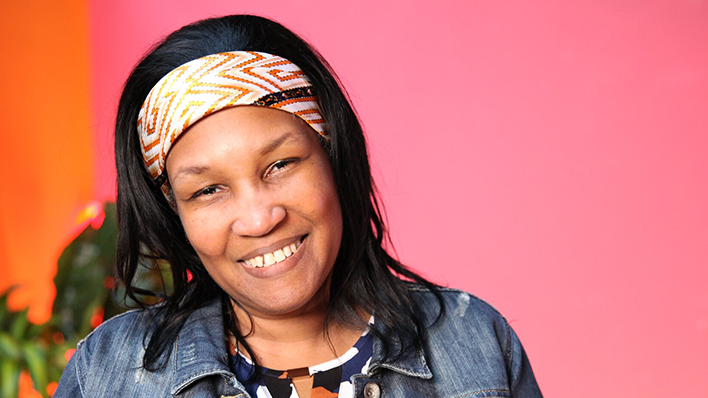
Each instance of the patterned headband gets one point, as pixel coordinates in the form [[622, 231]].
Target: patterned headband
[[218, 81]]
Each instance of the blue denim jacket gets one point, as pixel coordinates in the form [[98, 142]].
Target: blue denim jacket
[[470, 352]]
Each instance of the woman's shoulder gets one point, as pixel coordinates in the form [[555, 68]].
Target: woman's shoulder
[[117, 340], [114, 352], [469, 344], [464, 318], [127, 327], [457, 304], [111, 352]]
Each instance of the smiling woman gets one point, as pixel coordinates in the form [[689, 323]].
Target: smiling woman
[[263, 189], [242, 164]]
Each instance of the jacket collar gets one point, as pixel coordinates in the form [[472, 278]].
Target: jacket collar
[[200, 348], [410, 362], [200, 351]]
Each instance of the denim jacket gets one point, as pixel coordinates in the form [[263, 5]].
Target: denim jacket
[[470, 352]]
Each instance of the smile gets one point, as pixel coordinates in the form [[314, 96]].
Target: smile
[[274, 257]]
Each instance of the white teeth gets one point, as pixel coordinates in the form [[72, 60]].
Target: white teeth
[[277, 256], [268, 259]]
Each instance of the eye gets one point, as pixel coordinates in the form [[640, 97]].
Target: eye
[[210, 190], [279, 166]]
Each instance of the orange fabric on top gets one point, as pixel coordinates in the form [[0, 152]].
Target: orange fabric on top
[[45, 142]]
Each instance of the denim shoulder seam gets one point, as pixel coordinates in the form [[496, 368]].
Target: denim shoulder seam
[[509, 348], [79, 366], [110, 321], [415, 288]]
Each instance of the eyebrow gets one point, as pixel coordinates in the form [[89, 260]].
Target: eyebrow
[[276, 143], [270, 147], [191, 170]]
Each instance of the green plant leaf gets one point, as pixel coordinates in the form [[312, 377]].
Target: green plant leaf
[[36, 362], [56, 362], [8, 347], [3, 314], [10, 376], [19, 324], [81, 277], [4, 311], [35, 331]]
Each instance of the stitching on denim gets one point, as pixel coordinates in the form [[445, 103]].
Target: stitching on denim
[[509, 348], [115, 317], [176, 351], [232, 381], [421, 356], [78, 367], [506, 394], [423, 289], [355, 380], [402, 371], [423, 375], [193, 377]]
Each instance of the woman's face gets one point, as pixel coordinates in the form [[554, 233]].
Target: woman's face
[[256, 196]]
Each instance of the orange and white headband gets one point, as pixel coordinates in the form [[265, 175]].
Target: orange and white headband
[[214, 82]]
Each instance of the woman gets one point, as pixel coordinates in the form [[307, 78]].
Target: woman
[[242, 164]]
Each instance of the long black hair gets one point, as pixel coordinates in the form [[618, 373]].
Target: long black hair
[[364, 278]]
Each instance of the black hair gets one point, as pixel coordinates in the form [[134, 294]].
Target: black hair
[[364, 278]]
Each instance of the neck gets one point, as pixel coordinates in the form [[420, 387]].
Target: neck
[[294, 340]]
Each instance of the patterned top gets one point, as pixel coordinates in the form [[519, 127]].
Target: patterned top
[[329, 380]]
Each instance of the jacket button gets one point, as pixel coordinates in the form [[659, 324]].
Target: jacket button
[[372, 390]]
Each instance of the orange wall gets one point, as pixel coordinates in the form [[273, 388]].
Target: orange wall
[[45, 142]]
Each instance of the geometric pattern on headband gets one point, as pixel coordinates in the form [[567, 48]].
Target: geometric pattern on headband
[[214, 82]]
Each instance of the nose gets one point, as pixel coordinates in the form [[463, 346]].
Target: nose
[[257, 216]]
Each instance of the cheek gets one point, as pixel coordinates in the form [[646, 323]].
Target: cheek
[[329, 203], [316, 194], [204, 234], [324, 202]]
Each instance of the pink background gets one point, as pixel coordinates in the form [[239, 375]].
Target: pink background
[[551, 157]]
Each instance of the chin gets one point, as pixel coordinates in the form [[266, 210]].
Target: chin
[[295, 301]]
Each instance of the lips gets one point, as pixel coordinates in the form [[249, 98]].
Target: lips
[[274, 257]]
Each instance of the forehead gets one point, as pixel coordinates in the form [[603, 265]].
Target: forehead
[[242, 132]]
